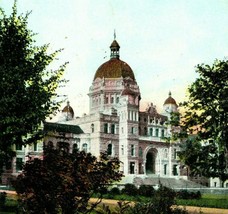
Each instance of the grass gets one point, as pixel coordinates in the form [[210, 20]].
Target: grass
[[207, 200]]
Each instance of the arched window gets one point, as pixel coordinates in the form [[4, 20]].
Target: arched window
[[85, 147], [117, 100], [75, 147], [163, 133], [113, 129], [156, 132], [151, 131], [106, 128], [112, 99], [109, 151], [106, 100], [132, 150]]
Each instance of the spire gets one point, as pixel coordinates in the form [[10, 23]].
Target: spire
[[170, 93], [114, 34], [115, 48]]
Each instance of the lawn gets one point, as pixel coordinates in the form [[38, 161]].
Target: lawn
[[207, 200]]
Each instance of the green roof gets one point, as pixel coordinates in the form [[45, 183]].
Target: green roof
[[65, 128]]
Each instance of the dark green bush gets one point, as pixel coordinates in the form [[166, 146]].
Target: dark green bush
[[184, 194], [130, 189], [146, 190], [2, 199], [114, 191]]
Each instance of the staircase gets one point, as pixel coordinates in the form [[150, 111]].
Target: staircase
[[168, 182]]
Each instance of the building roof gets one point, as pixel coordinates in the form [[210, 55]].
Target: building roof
[[170, 100], [68, 109], [114, 68], [65, 128]]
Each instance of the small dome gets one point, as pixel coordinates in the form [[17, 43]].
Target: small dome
[[68, 110], [114, 68], [170, 100]]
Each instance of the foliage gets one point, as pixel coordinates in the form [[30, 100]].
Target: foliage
[[114, 191], [146, 190], [2, 199], [28, 85], [184, 194], [129, 189], [161, 202], [65, 181], [206, 118]]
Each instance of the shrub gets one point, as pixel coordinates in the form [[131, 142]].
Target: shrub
[[130, 189], [184, 194], [115, 191], [146, 190], [2, 199]]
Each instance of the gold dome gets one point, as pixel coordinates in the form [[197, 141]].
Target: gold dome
[[114, 68]]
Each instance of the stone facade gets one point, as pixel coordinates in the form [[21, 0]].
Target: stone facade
[[116, 125]]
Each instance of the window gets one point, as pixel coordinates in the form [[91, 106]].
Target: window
[[165, 169], [175, 170], [145, 130], [112, 100], [156, 132], [140, 152], [109, 151], [92, 128], [18, 147], [132, 150], [75, 148], [19, 164], [117, 100], [122, 149], [113, 129], [144, 119], [105, 128], [163, 133], [151, 131], [84, 147], [106, 100], [132, 167], [35, 147], [132, 130]]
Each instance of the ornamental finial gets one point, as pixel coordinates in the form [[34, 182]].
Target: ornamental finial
[[114, 34]]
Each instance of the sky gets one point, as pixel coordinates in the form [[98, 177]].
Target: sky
[[161, 40]]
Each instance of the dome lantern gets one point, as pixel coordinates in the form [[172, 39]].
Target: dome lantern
[[114, 48]]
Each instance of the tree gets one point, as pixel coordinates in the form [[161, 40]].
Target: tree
[[28, 86], [206, 118], [64, 182]]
